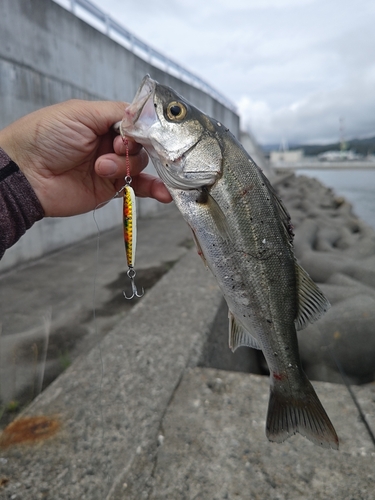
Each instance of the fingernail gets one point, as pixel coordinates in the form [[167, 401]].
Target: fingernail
[[107, 167]]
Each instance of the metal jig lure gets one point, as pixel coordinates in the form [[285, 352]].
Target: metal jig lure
[[130, 226]]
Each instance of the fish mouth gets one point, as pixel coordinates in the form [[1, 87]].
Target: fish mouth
[[139, 118], [140, 115]]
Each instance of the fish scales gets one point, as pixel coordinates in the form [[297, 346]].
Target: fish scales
[[247, 265], [243, 234]]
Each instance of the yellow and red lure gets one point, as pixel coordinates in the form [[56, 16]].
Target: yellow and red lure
[[130, 227]]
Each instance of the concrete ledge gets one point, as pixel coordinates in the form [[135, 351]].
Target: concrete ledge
[[138, 420], [110, 404], [214, 446], [134, 419]]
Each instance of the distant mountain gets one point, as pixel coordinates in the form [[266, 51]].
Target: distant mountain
[[360, 146]]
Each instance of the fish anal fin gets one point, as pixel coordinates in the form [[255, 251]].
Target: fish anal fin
[[312, 303], [238, 336], [290, 413]]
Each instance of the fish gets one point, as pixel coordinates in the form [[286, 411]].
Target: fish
[[244, 235]]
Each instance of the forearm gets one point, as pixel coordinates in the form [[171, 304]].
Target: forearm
[[19, 206]]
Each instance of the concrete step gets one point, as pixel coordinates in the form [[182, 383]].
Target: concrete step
[[58, 307], [136, 419], [106, 408]]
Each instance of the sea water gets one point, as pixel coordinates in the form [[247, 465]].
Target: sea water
[[357, 186]]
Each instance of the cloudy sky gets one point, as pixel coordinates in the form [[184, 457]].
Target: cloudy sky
[[292, 67]]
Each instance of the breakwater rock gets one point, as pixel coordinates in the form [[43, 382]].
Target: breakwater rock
[[338, 251]]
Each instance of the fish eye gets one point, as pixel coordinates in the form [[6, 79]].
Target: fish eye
[[176, 111]]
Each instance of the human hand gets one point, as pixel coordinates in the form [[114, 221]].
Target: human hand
[[72, 159]]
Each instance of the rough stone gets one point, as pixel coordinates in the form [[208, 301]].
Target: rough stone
[[214, 446], [337, 250], [343, 338], [137, 422], [72, 298], [110, 403]]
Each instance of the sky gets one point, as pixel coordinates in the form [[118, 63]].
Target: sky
[[293, 68]]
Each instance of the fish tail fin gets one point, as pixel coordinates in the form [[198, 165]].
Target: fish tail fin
[[302, 412]]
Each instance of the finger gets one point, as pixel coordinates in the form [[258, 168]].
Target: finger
[[146, 185], [99, 115], [120, 148], [114, 166]]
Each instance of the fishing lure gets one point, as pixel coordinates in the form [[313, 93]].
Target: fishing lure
[[130, 226]]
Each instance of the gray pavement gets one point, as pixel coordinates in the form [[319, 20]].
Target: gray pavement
[[47, 307], [214, 446], [108, 405], [135, 418]]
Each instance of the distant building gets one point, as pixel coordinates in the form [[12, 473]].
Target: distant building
[[289, 156], [339, 156]]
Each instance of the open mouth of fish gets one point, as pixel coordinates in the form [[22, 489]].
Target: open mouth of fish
[[141, 123], [140, 115]]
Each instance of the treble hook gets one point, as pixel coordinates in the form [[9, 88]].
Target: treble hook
[[131, 276]]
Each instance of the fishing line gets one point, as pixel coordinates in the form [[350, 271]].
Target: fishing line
[[129, 230], [100, 392], [101, 406], [352, 395], [94, 311]]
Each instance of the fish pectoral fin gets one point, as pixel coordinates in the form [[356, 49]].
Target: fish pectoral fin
[[312, 303], [219, 218], [238, 336]]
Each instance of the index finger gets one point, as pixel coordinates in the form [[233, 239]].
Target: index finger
[[120, 147]]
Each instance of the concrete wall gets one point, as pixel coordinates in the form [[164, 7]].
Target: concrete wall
[[48, 55]]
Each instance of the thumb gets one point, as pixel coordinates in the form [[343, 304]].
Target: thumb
[[99, 116]]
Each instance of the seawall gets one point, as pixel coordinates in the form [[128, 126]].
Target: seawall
[[49, 55]]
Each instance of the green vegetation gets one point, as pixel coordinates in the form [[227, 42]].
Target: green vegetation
[[360, 146], [13, 406], [64, 360]]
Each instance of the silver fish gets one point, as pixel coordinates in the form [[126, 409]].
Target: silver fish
[[244, 235]]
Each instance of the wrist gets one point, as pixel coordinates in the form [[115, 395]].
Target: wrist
[[15, 152], [9, 144]]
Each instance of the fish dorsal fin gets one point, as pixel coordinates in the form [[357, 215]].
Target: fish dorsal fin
[[312, 304], [281, 209], [238, 336]]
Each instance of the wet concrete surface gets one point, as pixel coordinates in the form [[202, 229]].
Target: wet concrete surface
[[60, 306], [135, 417]]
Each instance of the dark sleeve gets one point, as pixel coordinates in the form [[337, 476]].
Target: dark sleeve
[[19, 206]]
